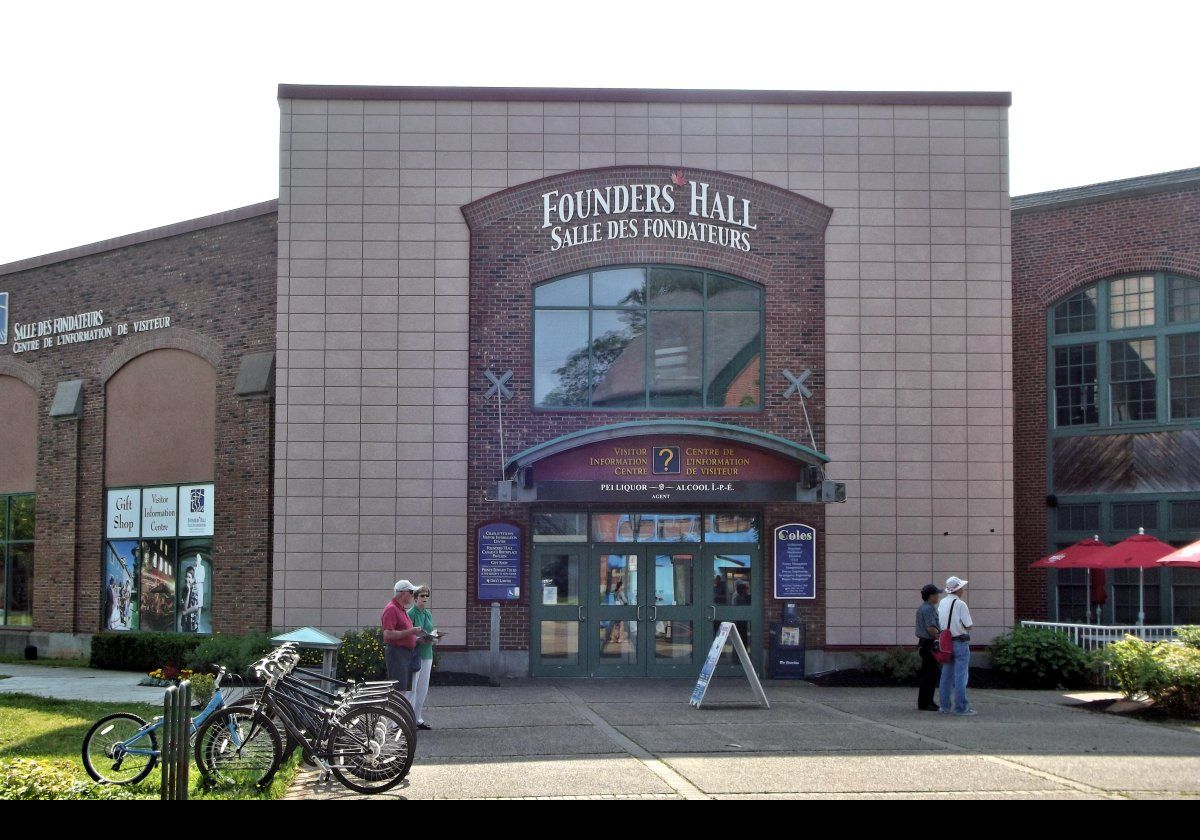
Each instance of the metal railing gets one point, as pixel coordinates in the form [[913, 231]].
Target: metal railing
[[1097, 636], [1094, 637]]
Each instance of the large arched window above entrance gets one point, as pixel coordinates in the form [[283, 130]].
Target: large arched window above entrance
[[160, 420], [648, 337]]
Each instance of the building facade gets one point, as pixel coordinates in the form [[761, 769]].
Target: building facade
[[537, 348], [1106, 280], [135, 426]]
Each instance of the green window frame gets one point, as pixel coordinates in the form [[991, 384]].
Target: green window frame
[[670, 312], [18, 524], [1124, 353]]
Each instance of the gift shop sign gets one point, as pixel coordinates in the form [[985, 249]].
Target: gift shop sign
[[681, 209], [74, 328]]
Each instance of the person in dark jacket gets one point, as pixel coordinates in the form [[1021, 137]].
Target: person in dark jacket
[[927, 633]]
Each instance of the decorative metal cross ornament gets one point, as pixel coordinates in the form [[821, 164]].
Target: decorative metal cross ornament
[[797, 386], [499, 384]]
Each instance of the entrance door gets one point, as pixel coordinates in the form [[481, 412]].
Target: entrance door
[[736, 590], [560, 613], [618, 602], [675, 611]]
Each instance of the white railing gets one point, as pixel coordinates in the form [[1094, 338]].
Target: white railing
[[1098, 636]]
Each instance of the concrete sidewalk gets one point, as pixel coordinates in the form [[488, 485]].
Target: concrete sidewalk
[[640, 739], [78, 684]]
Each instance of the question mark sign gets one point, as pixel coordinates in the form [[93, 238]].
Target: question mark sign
[[670, 456]]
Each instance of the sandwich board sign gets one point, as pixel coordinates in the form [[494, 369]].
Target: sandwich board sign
[[727, 632]]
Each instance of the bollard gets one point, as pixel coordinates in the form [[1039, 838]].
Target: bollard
[[495, 644]]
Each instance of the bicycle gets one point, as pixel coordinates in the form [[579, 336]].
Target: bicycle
[[122, 748], [362, 735]]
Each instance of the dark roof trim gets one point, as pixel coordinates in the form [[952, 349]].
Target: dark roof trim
[[1127, 188], [759, 97], [264, 208]]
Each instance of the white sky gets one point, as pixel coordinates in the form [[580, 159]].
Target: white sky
[[122, 116]]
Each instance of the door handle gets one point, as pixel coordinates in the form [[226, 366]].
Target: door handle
[[654, 613], [713, 614], [581, 613], [639, 612]]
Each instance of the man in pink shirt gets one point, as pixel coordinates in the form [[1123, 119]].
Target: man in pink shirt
[[399, 635]]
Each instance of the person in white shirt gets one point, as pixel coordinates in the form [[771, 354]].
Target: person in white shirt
[[954, 615]]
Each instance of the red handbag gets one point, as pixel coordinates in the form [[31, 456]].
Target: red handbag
[[943, 647]]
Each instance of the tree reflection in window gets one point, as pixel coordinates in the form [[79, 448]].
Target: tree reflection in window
[[648, 337]]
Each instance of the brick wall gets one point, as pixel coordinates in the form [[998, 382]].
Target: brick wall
[[510, 252], [217, 284], [1055, 252]]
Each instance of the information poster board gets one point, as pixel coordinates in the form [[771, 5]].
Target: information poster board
[[498, 554], [795, 562]]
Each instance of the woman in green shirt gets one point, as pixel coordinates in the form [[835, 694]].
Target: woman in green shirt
[[421, 617]]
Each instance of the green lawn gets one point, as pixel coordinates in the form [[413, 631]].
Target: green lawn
[[36, 727]]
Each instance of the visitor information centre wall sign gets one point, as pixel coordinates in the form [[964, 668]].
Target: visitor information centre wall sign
[[795, 562], [666, 469], [498, 546]]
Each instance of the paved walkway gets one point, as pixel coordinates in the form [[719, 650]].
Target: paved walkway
[[78, 684], [640, 739]]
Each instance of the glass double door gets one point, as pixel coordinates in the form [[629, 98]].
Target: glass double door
[[637, 610]]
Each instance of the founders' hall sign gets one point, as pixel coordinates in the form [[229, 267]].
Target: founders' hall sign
[[680, 209]]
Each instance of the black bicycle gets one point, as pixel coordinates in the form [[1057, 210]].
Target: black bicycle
[[363, 734]]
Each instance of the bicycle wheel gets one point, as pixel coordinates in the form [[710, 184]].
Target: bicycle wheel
[[238, 747], [105, 750], [370, 749]]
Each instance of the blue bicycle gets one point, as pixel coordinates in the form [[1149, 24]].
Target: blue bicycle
[[122, 749]]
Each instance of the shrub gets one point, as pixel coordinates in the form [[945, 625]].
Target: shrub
[[142, 651], [361, 655], [236, 653], [1038, 658], [1168, 673], [27, 778], [204, 686], [899, 664], [1189, 636]]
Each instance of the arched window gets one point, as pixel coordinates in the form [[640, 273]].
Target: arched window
[[1126, 352], [1124, 357], [648, 338]]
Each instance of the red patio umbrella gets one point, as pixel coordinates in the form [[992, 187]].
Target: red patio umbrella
[[1141, 552], [1075, 557], [1071, 557], [1189, 555]]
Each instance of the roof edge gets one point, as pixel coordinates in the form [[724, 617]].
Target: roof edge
[[1106, 191], [538, 94], [263, 208]]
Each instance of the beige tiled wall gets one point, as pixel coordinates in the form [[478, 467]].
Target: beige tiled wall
[[372, 378]]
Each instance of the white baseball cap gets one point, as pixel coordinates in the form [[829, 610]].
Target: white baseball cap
[[403, 586], [954, 584]]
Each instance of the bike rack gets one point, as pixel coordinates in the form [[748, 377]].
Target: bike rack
[[177, 722]]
